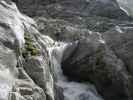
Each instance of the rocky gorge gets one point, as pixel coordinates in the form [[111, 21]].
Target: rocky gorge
[[66, 50]]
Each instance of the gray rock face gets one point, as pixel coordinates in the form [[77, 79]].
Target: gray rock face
[[105, 62], [31, 6], [93, 61], [26, 90], [59, 93], [19, 80], [75, 28], [127, 6], [119, 39], [104, 59], [37, 69], [61, 29], [71, 8]]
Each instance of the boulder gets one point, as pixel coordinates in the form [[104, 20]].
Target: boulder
[[93, 61], [119, 39]]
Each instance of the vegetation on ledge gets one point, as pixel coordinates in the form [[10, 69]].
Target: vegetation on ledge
[[29, 49]]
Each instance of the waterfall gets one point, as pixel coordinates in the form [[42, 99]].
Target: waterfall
[[71, 90]]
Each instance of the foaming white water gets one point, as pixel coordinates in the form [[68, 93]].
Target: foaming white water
[[6, 81], [55, 54], [78, 91], [71, 90]]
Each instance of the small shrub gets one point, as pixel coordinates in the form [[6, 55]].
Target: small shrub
[[29, 47], [34, 52]]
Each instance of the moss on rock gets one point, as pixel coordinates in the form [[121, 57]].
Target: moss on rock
[[29, 49]]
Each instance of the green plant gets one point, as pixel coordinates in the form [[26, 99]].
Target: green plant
[[29, 49], [34, 52]]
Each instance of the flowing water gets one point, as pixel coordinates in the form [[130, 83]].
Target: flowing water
[[71, 90]]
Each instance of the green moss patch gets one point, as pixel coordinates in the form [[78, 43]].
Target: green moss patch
[[29, 49]]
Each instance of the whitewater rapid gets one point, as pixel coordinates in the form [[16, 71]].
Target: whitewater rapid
[[71, 90]]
